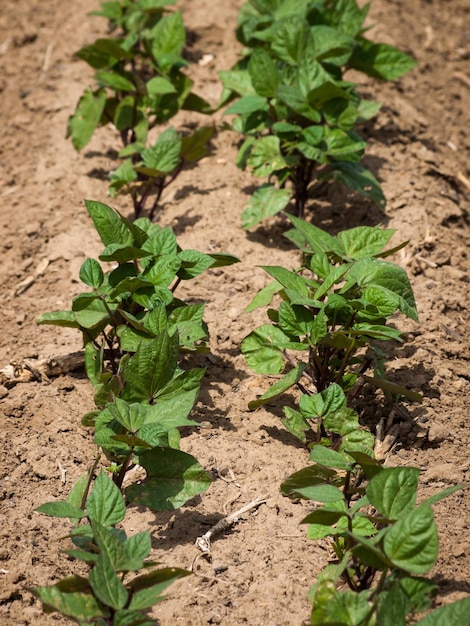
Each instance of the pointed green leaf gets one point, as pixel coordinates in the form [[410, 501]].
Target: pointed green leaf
[[280, 387], [147, 589], [380, 60], [173, 477], [266, 201], [151, 367], [263, 349], [61, 509], [357, 178], [105, 503], [393, 491], [87, 116], [91, 273], [449, 615], [412, 543], [106, 585], [72, 596], [110, 225]]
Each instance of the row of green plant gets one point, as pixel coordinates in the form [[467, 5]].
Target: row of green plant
[[293, 105], [322, 338], [298, 116], [135, 332]]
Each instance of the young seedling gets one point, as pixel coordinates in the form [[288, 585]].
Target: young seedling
[[134, 331], [333, 310], [112, 594], [139, 85], [295, 107], [383, 543], [132, 307]]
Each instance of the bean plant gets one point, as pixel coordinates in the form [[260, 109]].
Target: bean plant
[[140, 84], [132, 305], [112, 594], [383, 544], [297, 110], [134, 331], [333, 310]]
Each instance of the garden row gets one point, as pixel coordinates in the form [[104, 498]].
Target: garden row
[[297, 116]]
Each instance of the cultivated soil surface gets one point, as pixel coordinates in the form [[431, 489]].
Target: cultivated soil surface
[[261, 570]]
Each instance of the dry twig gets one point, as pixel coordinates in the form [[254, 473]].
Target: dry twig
[[204, 542]]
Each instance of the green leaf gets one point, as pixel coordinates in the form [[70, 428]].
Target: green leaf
[[125, 617], [334, 608], [90, 311], [280, 387], [318, 239], [151, 367], [364, 241], [389, 277], [358, 179], [105, 503], [393, 491], [194, 147], [167, 40], [122, 176], [264, 297], [295, 320], [290, 280], [103, 53], [412, 543], [295, 423], [263, 349], [265, 156], [65, 319], [173, 478], [76, 495], [331, 45], [380, 60], [248, 104], [159, 86], [147, 589], [61, 509], [72, 596], [313, 483], [266, 201], [345, 422], [164, 155], [290, 38], [118, 81], [106, 585], [193, 263], [263, 72], [138, 546], [324, 403], [330, 458], [87, 116], [450, 615], [116, 552], [297, 101], [110, 225], [91, 273], [238, 81]]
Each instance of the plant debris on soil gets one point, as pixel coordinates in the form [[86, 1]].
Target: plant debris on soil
[[260, 569]]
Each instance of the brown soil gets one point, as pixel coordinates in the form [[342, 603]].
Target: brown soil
[[419, 144]]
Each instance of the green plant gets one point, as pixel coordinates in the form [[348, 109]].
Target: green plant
[[132, 306], [112, 594], [333, 310], [134, 331], [140, 84], [383, 543], [294, 105]]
